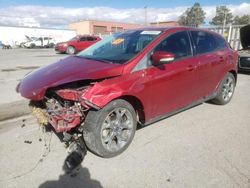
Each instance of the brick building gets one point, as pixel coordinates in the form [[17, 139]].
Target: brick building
[[95, 27]]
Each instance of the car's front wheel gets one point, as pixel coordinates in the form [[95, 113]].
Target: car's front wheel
[[226, 90], [71, 50], [109, 131]]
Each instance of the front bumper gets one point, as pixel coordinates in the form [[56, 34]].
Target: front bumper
[[60, 48]]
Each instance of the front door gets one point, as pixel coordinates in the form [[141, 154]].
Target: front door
[[173, 84]]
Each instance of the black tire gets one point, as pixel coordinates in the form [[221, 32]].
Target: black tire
[[32, 45], [225, 90], [96, 124], [71, 50], [51, 45]]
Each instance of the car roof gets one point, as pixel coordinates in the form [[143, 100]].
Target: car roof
[[184, 28], [155, 28]]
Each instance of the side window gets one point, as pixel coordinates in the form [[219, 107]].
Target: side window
[[90, 39], [83, 38], [177, 43], [221, 43], [204, 42]]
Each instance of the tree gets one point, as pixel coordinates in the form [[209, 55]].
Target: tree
[[243, 20], [223, 16], [193, 16]]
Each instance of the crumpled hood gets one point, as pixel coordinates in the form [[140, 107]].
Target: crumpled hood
[[245, 37], [70, 69]]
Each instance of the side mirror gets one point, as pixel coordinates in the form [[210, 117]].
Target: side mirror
[[161, 57]]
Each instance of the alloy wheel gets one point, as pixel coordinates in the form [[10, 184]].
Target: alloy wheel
[[117, 129]]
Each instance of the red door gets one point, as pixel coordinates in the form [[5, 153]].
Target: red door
[[174, 85], [85, 42], [211, 55]]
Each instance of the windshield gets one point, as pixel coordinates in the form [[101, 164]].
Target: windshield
[[74, 38], [121, 47]]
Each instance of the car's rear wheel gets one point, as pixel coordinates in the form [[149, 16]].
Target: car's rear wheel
[[109, 131], [51, 45], [226, 90], [71, 50], [32, 45]]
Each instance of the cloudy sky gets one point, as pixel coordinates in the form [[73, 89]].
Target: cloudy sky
[[59, 13]]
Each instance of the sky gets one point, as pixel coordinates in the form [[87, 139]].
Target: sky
[[59, 13]]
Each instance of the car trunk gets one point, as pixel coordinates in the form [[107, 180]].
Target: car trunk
[[245, 37], [244, 61]]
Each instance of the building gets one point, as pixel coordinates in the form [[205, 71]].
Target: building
[[165, 24], [14, 35], [95, 27]]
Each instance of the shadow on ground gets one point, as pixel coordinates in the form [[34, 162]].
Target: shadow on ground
[[244, 72], [79, 179]]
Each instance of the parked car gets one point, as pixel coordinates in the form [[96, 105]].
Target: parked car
[[41, 42], [98, 96], [76, 44], [244, 60]]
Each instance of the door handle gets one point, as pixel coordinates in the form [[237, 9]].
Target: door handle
[[190, 68]]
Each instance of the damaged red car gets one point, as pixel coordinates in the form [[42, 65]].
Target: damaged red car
[[99, 96]]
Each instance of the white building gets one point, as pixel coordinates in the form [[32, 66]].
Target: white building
[[16, 35]]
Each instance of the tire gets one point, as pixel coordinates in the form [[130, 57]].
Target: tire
[[32, 45], [226, 90], [109, 131], [51, 45], [71, 50]]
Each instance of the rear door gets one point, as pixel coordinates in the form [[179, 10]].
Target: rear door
[[210, 61]]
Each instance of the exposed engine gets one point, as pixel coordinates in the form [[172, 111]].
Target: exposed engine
[[66, 117], [61, 108]]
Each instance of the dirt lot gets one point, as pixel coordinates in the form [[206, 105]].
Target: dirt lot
[[206, 146]]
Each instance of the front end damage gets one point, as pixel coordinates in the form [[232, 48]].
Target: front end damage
[[63, 110]]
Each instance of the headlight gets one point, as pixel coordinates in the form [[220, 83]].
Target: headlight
[[65, 45]]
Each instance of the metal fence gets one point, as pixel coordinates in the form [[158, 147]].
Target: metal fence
[[230, 33]]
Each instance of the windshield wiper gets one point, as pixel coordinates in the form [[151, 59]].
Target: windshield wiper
[[105, 60]]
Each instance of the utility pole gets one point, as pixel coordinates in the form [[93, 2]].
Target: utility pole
[[146, 15]]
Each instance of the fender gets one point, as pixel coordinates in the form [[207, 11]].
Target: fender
[[103, 92]]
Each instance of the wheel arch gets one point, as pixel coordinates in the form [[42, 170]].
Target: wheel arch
[[234, 74], [137, 105], [72, 47]]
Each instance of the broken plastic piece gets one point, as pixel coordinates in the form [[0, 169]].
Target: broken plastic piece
[[76, 156], [28, 142]]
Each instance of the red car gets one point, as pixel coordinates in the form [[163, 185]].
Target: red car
[[139, 76], [76, 44]]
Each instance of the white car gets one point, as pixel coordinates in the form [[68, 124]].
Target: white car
[[42, 42]]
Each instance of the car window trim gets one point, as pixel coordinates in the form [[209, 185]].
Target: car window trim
[[195, 54], [147, 56]]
